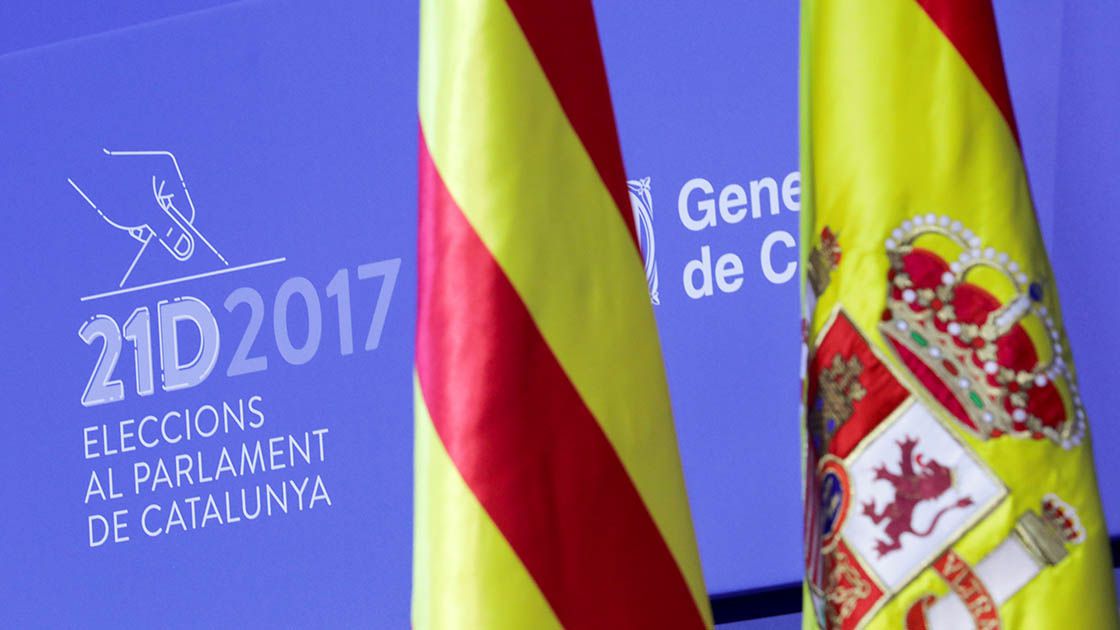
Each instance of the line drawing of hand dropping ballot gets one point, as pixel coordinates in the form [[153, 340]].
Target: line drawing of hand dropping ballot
[[127, 206]]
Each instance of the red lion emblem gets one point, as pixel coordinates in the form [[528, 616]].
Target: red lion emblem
[[911, 487]]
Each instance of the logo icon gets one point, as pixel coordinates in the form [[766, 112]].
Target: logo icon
[[149, 201], [642, 203]]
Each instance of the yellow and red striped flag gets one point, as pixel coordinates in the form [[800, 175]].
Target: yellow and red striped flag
[[950, 479], [548, 487]]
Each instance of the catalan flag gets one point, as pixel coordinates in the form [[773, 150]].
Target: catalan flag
[[548, 484], [950, 479]]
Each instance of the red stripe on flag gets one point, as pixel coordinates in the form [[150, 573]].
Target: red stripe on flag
[[971, 27], [525, 442], [565, 40]]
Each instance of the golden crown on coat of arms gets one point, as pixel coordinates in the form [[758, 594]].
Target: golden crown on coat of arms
[[968, 348]]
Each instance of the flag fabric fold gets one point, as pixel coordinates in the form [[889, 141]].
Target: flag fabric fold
[[548, 490], [949, 473]]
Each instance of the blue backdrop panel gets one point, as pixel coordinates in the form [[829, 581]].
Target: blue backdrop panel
[[711, 95], [294, 129], [1086, 226]]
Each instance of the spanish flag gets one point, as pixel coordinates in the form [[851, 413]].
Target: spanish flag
[[949, 474], [548, 486]]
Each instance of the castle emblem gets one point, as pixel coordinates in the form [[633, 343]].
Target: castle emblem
[[840, 389], [823, 259]]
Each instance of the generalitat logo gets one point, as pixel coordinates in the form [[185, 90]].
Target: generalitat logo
[[642, 203]]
